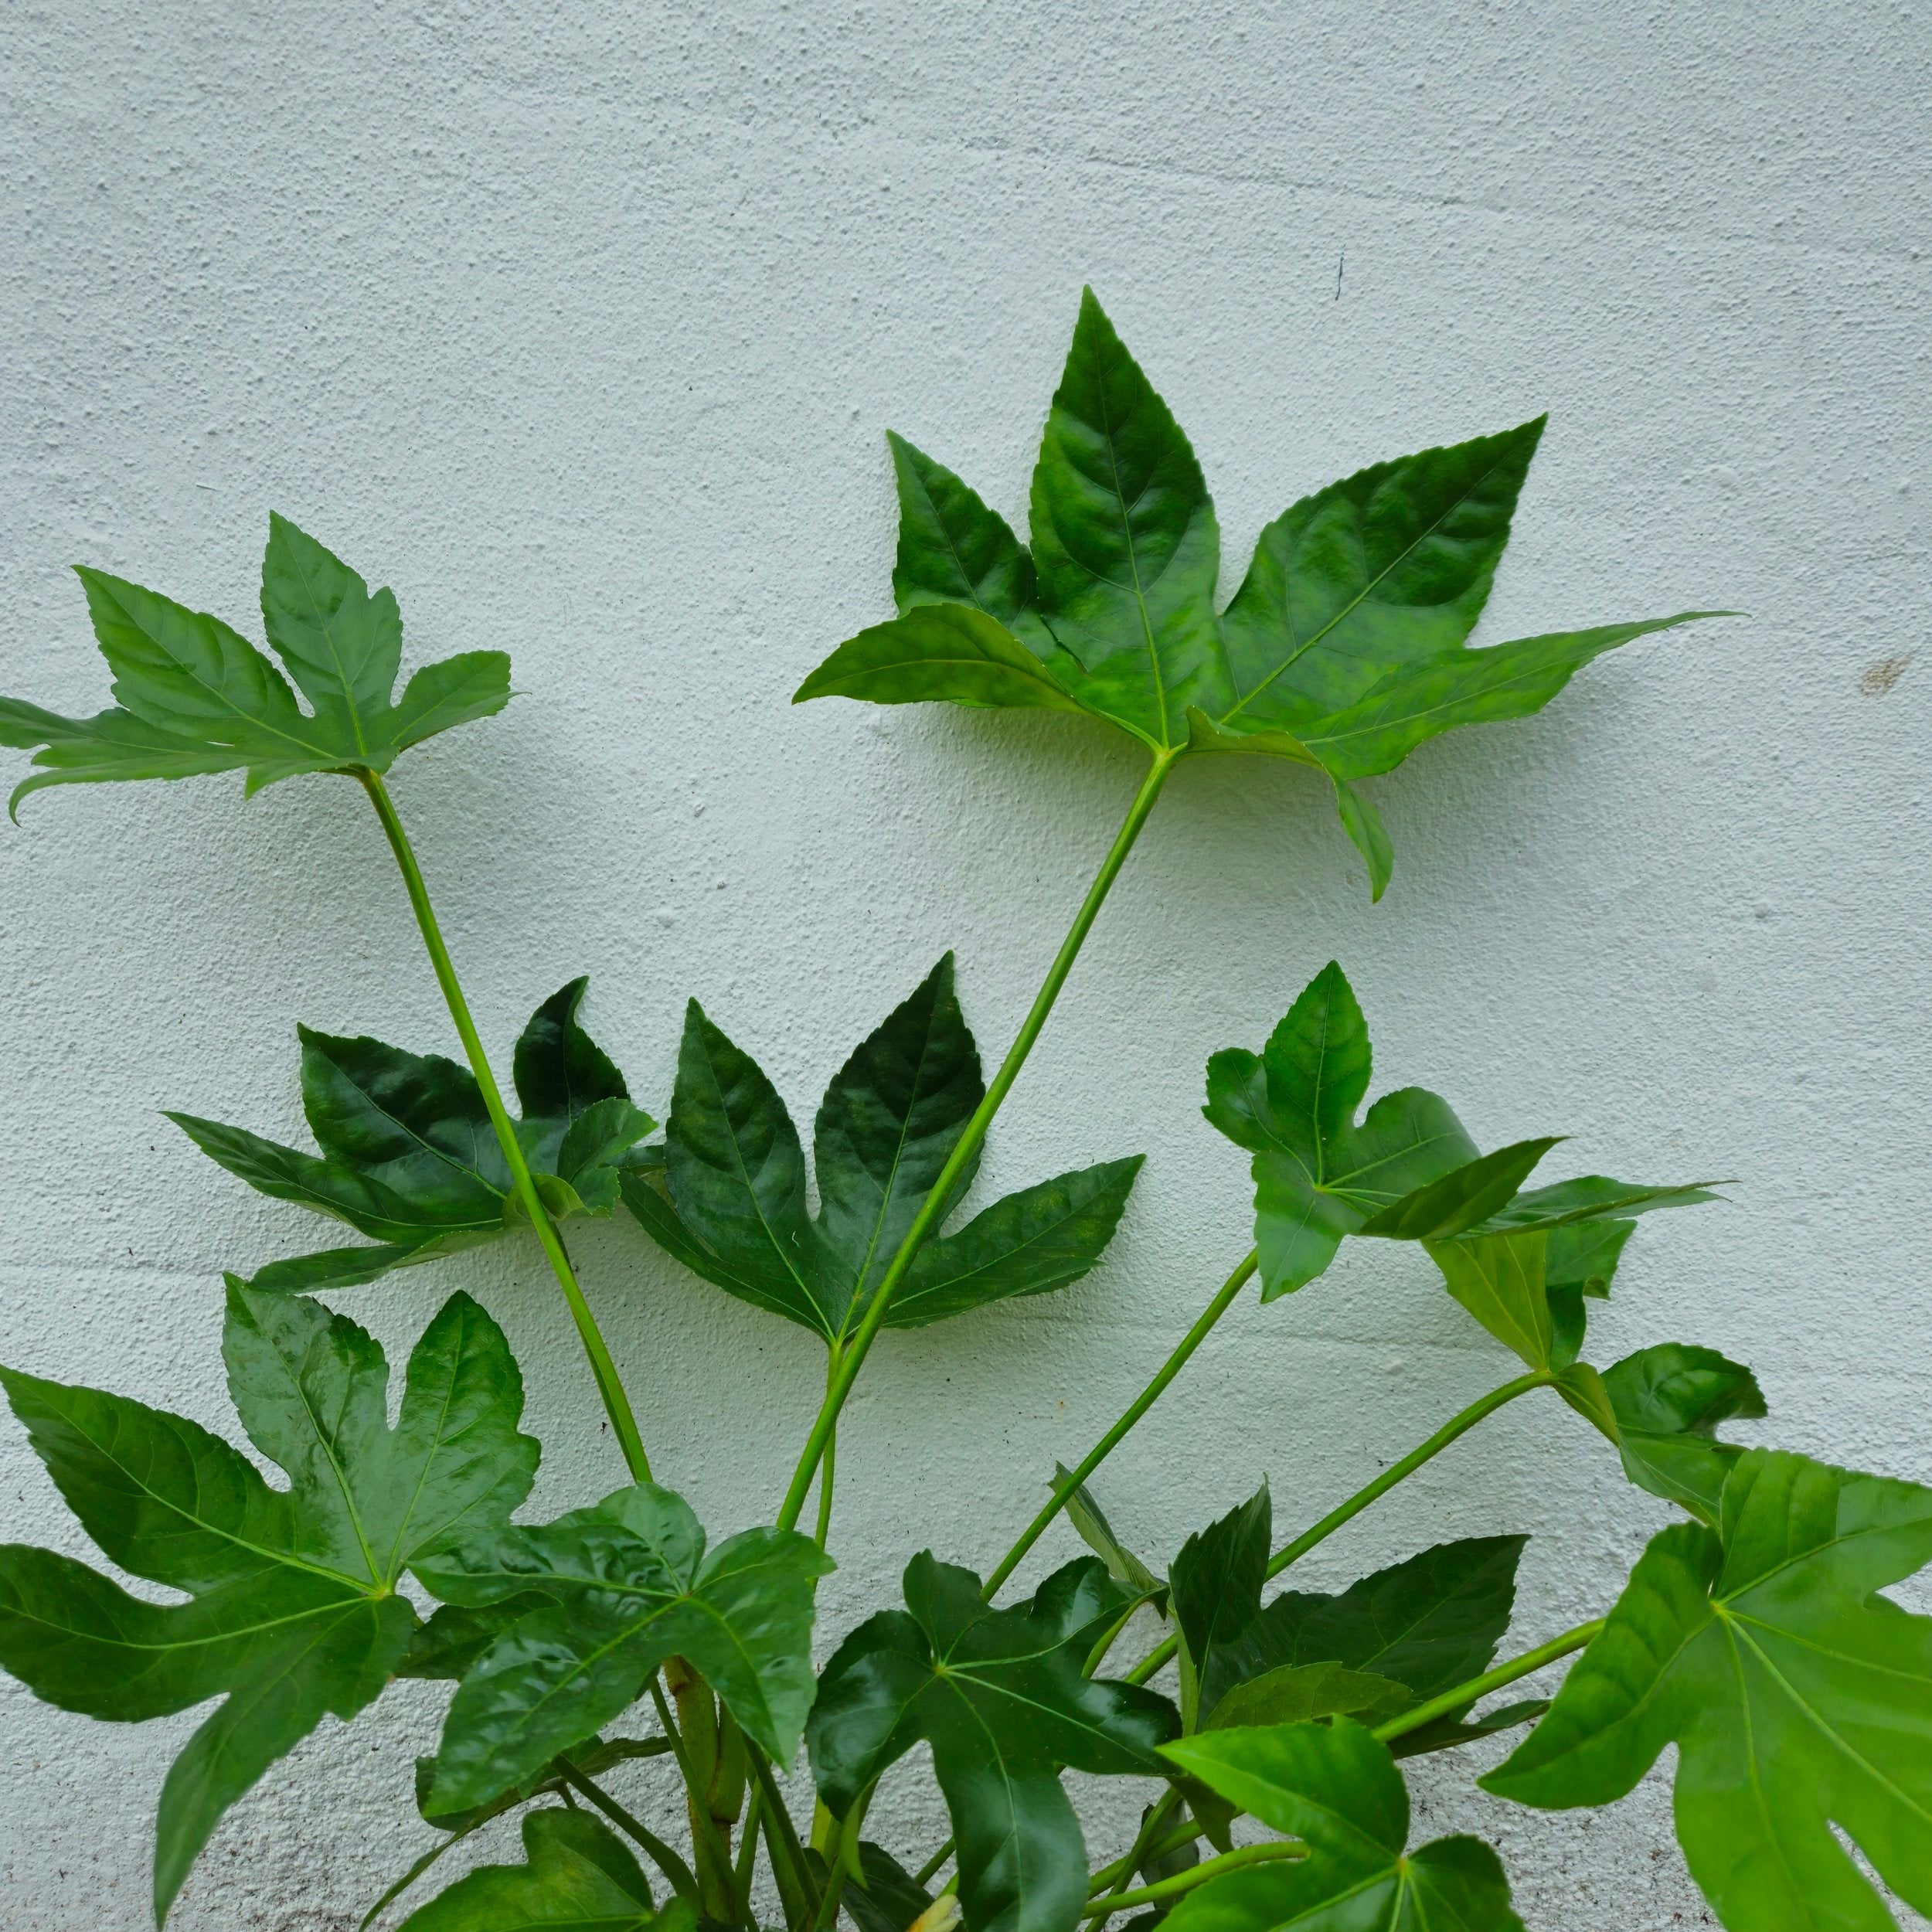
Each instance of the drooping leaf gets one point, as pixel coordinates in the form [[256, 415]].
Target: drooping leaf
[[1000, 1696], [291, 1612], [409, 1157], [1343, 650], [628, 1583], [1337, 1789], [193, 696], [577, 1876], [731, 1201], [1090, 1524], [1797, 1697], [1668, 1402], [1446, 1733], [1319, 1175]]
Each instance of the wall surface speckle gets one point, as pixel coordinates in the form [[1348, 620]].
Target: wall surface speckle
[[580, 327]]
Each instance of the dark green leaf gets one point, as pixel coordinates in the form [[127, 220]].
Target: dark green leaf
[[1799, 1699], [1461, 1199], [889, 1898], [1446, 1733], [1299, 1693], [409, 1156], [1668, 1402], [1000, 1696], [731, 1206], [577, 1876], [1343, 650], [194, 696], [1318, 1174], [1215, 1582], [1337, 1789], [292, 1613], [630, 1584]]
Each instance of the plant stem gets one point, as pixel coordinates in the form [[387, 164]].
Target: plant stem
[[828, 1462], [1123, 1867], [1186, 1881], [748, 1854], [1137, 1853], [797, 1892], [713, 1855], [661, 1854], [929, 1870], [1396, 1472], [939, 1201], [616, 1402], [1224, 1299], [1491, 1680]]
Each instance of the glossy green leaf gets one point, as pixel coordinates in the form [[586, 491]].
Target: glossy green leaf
[[1215, 1583], [291, 1611], [1319, 1173], [409, 1157], [1798, 1698], [1343, 650], [193, 695], [731, 1201], [1000, 1696], [1337, 1789], [577, 1875], [885, 1897], [629, 1583], [1669, 1403]]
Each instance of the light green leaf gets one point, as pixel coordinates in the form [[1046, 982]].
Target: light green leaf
[[1090, 1525], [937, 652], [1499, 1279], [195, 696], [1464, 1199], [1300, 1693], [1799, 1699], [1337, 1789], [292, 1612], [1667, 1403]]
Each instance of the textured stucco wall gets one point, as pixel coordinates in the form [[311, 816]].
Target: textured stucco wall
[[580, 327]]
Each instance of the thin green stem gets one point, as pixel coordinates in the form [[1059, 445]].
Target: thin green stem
[[715, 1851], [929, 1870], [797, 1892], [938, 1201], [1123, 1867], [616, 1402], [1491, 1680], [748, 1855], [828, 1462], [660, 1854], [1457, 1425], [1225, 1298], [1186, 1881], [1137, 1853]]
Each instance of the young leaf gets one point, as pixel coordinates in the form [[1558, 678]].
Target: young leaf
[[1336, 1788], [732, 1204], [194, 696], [1090, 1525], [629, 1583], [577, 1876], [1319, 1175], [1342, 650], [1000, 1696], [409, 1156], [292, 1612], [1668, 1401], [1797, 1698]]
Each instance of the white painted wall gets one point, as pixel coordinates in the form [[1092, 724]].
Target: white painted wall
[[580, 327]]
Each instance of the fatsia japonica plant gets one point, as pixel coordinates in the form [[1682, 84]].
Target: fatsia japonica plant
[[1264, 1728]]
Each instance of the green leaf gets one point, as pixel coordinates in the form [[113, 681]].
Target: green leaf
[[1446, 1733], [1667, 1403], [1319, 1175], [1342, 650], [577, 1876], [1461, 1199], [1215, 1581], [1000, 1696], [731, 1205], [292, 1611], [194, 696], [1337, 1789], [1299, 1693], [1499, 1279], [409, 1158], [630, 1584], [1090, 1525], [889, 1898], [1797, 1698]]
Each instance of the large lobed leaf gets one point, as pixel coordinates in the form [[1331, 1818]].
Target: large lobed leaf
[[596, 1602], [1798, 1698], [191, 696], [730, 1202], [1001, 1698], [1343, 649], [1335, 1788], [409, 1156], [291, 1611]]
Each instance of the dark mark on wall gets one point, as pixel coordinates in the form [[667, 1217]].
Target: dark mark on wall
[[1885, 674]]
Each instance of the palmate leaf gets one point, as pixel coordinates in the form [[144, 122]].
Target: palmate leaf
[[1319, 1173], [730, 1203], [1001, 1697], [193, 696], [1342, 650], [604, 1595], [292, 1612], [1797, 1697], [577, 1876], [409, 1157], [1337, 1789]]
